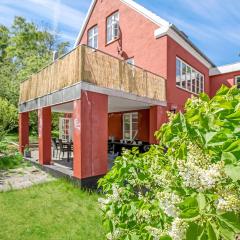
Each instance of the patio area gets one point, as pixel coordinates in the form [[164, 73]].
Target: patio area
[[128, 126]]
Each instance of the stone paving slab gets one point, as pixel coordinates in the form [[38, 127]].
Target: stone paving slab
[[22, 178]]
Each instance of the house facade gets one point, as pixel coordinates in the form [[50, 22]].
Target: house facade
[[129, 67]]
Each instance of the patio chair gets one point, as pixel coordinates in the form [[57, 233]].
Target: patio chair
[[64, 148], [55, 147]]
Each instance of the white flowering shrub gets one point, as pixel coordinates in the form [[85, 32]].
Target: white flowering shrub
[[188, 186]]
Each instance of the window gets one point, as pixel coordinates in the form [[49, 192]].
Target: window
[[93, 37], [130, 125], [178, 72], [188, 78], [65, 129], [237, 81], [113, 27]]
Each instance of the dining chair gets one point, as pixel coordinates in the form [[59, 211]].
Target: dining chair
[[63, 148]]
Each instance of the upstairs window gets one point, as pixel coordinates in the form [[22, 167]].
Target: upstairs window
[[188, 78], [237, 81], [113, 27], [130, 126], [93, 37]]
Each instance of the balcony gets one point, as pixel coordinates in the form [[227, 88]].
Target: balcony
[[97, 68]]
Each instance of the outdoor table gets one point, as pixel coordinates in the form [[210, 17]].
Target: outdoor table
[[69, 146], [118, 146]]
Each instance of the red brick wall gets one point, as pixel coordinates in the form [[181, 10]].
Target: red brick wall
[[227, 79], [115, 125]]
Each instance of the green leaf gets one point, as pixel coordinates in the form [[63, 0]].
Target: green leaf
[[226, 232], [212, 232], [165, 238], [232, 220], [228, 157], [234, 116], [190, 213], [222, 91], [231, 146], [201, 201], [194, 231], [189, 207], [233, 171]]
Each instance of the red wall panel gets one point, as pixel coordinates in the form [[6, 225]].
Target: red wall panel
[[227, 79]]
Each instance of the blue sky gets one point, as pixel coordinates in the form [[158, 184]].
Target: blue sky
[[213, 25]]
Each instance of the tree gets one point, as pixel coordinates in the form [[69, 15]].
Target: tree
[[8, 117], [25, 48], [187, 187]]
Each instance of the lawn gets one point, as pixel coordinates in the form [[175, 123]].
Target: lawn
[[51, 211], [13, 137]]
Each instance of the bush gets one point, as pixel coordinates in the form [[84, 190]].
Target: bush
[[187, 187], [8, 117], [9, 156], [11, 161]]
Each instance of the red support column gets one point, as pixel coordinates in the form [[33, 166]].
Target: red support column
[[23, 128], [158, 116], [90, 135], [44, 135]]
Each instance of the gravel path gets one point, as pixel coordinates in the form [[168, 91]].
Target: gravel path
[[22, 178]]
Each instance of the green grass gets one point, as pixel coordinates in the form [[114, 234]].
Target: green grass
[[13, 137], [51, 211]]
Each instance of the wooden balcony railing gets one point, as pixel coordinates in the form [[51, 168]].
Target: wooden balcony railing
[[95, 67]]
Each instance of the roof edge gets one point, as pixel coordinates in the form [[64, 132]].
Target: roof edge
[[233, 67], [146, 13], [130, 3], [85, 22], [171, 31]]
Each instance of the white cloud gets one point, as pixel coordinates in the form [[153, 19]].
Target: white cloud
[[63, 20], [59, 12], [55, 12]]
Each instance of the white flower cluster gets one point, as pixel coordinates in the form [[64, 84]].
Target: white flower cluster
[[178, 229], [229, 203], [116, 234], [144, 215], [163, 179], [197, 103], [198, 172], [114, 197], [155, 232], [168, 202]]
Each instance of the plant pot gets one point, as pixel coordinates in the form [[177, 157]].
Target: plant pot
[[27, 154]]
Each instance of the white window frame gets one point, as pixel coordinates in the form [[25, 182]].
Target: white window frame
[[131, 125], [93, 37], [200, 78], [112, 26], [236, 81], [66, 129]]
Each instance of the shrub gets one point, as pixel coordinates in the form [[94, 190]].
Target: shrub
[[187, 187], [9, 156], [11, 161], [8, 117]]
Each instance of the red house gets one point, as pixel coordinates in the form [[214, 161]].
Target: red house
[[128, 68]]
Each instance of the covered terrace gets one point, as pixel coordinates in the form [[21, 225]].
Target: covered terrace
[[103, 96]]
